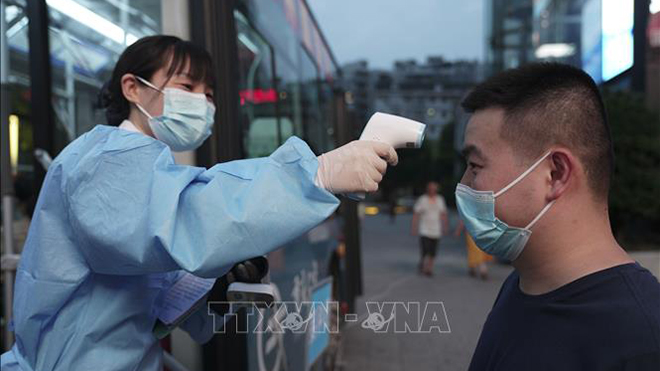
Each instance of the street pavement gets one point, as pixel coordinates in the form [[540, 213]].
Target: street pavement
[[389, 261]]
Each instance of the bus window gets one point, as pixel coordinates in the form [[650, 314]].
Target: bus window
[[326, 101], [317, 123], [83, 52], [263, 130], [86, 40], [288, 87], [16, 111]]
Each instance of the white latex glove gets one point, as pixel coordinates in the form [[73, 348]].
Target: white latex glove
[[355, 167]]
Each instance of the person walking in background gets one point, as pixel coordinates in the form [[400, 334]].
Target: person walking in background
[[429, 218], [392, 203], [476, 258]]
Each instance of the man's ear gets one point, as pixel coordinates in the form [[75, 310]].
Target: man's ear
[[129, 87], [562, 170]]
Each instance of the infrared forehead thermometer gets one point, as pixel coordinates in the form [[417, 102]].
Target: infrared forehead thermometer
[[397, 131]]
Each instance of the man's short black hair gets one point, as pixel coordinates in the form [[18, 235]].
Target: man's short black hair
[[549, 104]]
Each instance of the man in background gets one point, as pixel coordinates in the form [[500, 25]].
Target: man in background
[[429, 218]]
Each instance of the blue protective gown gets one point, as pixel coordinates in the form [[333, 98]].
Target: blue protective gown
[[117, 221]]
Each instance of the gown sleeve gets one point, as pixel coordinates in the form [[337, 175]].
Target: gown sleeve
[[135, 211]]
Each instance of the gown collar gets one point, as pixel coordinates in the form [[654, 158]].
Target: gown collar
[[127, 125]]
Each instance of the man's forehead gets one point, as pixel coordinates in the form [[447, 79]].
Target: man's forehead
[[482, 131]]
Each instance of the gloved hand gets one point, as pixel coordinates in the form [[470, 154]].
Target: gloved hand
[[249, 271], [355, 167]]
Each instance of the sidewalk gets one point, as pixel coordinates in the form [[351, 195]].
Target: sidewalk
[[390, 256]]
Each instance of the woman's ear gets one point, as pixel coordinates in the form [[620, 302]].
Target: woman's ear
[[129, 88], [562, 170]]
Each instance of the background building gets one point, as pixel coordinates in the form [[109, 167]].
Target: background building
[[508, 34], [606, 38], [428, 92]]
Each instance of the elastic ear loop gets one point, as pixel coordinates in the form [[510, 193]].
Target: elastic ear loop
[[545, 209], [521, 177], [147, 83], [144, 111], [524, 174]]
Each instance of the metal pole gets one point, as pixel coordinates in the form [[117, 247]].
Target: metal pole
[[43, 124], [223, 46], [7, 184], [212, 25], [349, 210], [8, 274], [69, 120], [4, 66]]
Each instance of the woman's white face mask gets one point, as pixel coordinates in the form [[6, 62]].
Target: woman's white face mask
[[186, 121]]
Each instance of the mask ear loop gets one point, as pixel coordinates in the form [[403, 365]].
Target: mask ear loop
[[144, 111], [148, 84], [545, 209], [523, 175]]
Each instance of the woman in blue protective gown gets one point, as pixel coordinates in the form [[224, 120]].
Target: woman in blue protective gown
[[117, 221]]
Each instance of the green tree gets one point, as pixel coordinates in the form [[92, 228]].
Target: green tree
[[448, 159], [635, 192]]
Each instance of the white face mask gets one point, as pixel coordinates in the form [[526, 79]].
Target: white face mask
[[186, 121], [477, 210]]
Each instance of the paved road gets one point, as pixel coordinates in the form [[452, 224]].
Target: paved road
[[390, 256]]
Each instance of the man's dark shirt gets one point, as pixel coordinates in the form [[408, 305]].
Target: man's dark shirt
[[608, 320]]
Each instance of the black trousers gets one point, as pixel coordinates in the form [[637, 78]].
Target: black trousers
[[429, 246]]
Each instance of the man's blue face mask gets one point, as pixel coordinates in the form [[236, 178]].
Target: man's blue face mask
[[477, 210], [186, 121]]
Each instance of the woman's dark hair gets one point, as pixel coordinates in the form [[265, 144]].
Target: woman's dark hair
[[146, 56]]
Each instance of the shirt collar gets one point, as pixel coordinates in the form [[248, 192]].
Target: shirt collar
[[127, 125]]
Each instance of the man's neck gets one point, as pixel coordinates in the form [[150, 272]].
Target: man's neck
[[556, 259]]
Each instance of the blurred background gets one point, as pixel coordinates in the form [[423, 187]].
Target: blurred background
[[319, 69], [422, 68]]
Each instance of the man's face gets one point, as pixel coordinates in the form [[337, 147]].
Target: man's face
[[432, 188], [492, 165]]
